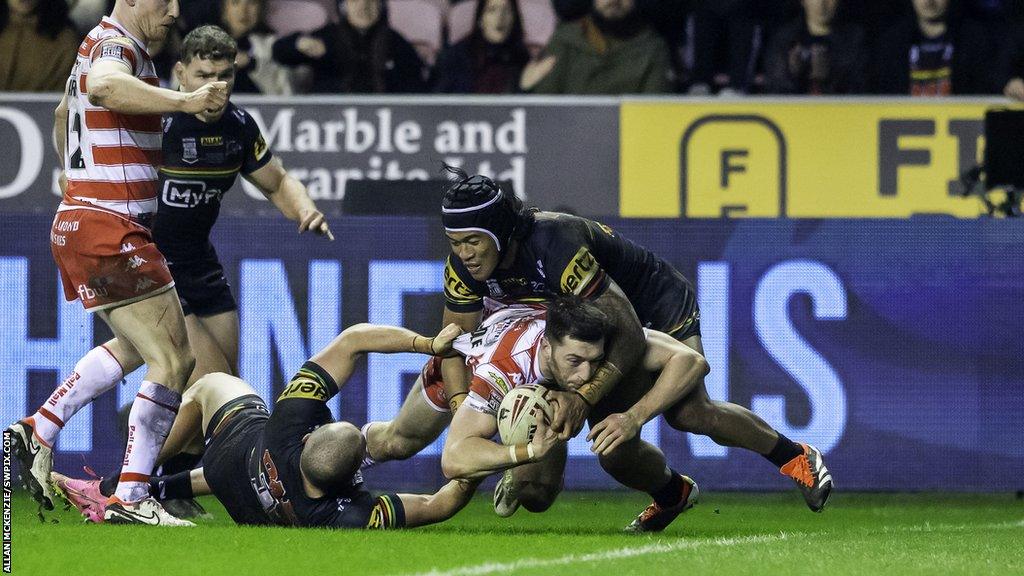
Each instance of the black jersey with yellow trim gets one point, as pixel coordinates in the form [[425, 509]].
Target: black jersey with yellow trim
[[566, 254], [201, 163], [274, 465]]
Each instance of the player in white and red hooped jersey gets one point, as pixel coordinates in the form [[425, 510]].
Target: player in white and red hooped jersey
[[107, 134], [112, 158], [502, 354]]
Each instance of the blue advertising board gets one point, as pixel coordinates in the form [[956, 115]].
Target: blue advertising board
[[895, 346]]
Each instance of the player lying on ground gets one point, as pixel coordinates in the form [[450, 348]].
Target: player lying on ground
[[518, 346], [204, 148], [295, 466], [502, 251]]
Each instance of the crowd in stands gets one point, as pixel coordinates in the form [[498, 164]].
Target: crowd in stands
[[697, 47]]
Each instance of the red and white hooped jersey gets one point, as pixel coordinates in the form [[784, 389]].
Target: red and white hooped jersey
[[111, 159], [503, 353]]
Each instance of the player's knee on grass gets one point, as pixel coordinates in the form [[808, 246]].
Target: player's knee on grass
[[536, 496]]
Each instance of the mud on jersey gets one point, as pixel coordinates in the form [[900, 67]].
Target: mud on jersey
[[566, 254]]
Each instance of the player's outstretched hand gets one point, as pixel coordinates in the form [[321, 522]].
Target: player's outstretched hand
[[544, 439], [210, 97], [315, 222], [441, 345], [607, 434], [570, 412]]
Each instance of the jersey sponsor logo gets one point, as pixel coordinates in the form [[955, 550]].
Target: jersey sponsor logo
[[499, 381], [580, 271], [111, 50], [259, 148], [305, 387], [455, 289], [189, 193], [211, 140]]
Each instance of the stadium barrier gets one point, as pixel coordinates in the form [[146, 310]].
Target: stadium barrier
[[663, 158]]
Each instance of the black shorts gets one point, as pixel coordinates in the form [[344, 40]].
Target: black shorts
[[675, 310], [202, 287], [233, 433]]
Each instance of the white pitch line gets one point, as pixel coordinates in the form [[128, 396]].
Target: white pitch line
[[629, 552], [663, 548]]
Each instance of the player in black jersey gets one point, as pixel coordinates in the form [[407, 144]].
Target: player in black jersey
[[202, 156], [295, 466], [508, 253]]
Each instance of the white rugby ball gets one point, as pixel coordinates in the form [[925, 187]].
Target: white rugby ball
[[519, 411]]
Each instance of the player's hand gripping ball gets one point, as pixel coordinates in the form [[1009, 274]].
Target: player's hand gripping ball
[[519, 412]]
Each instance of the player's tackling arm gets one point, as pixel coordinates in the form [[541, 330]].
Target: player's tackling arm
[[112, 86], [60, 127], [339, 357], [470, 454], [453, 370], [679, 369], [626, 348], [290, 197], [423, 509]]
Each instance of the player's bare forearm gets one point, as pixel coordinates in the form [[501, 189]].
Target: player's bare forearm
[[628, 345], [421, 510], [681, 369], [339, 357], [118, 91], [290, 197], [453, 370], [60, 128], [475, 458]]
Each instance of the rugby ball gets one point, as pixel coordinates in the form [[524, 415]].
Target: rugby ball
[[519, 411]]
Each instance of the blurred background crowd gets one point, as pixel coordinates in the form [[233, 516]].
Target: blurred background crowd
[[697, 47]]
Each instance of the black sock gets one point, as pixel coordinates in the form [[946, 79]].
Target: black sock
[[109, 483], [179, 463], [784, 451], [172, 487], [672, 493]]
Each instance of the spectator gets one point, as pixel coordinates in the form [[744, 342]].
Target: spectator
[[611, 50], [816, 54], [359, 54], [255, 69], [38, 45], [725, 47], [491, 59], [1014, 87], [932, 53]]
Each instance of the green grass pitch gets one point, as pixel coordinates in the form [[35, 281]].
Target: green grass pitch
[[726, 533]]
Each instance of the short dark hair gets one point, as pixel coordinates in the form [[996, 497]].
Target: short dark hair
[[331, 456], [576, 317], [208, 43]]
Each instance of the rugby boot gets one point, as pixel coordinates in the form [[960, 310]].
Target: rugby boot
[[36, 461], [505, 501], [185, 508], [84, 495], [811, 476], [654, 518], [147, 511]]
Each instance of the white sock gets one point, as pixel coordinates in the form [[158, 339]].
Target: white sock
[[96, 372], [149, 422], [368, 460]]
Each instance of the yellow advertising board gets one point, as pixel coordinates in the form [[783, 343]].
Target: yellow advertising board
[[803, 159]]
